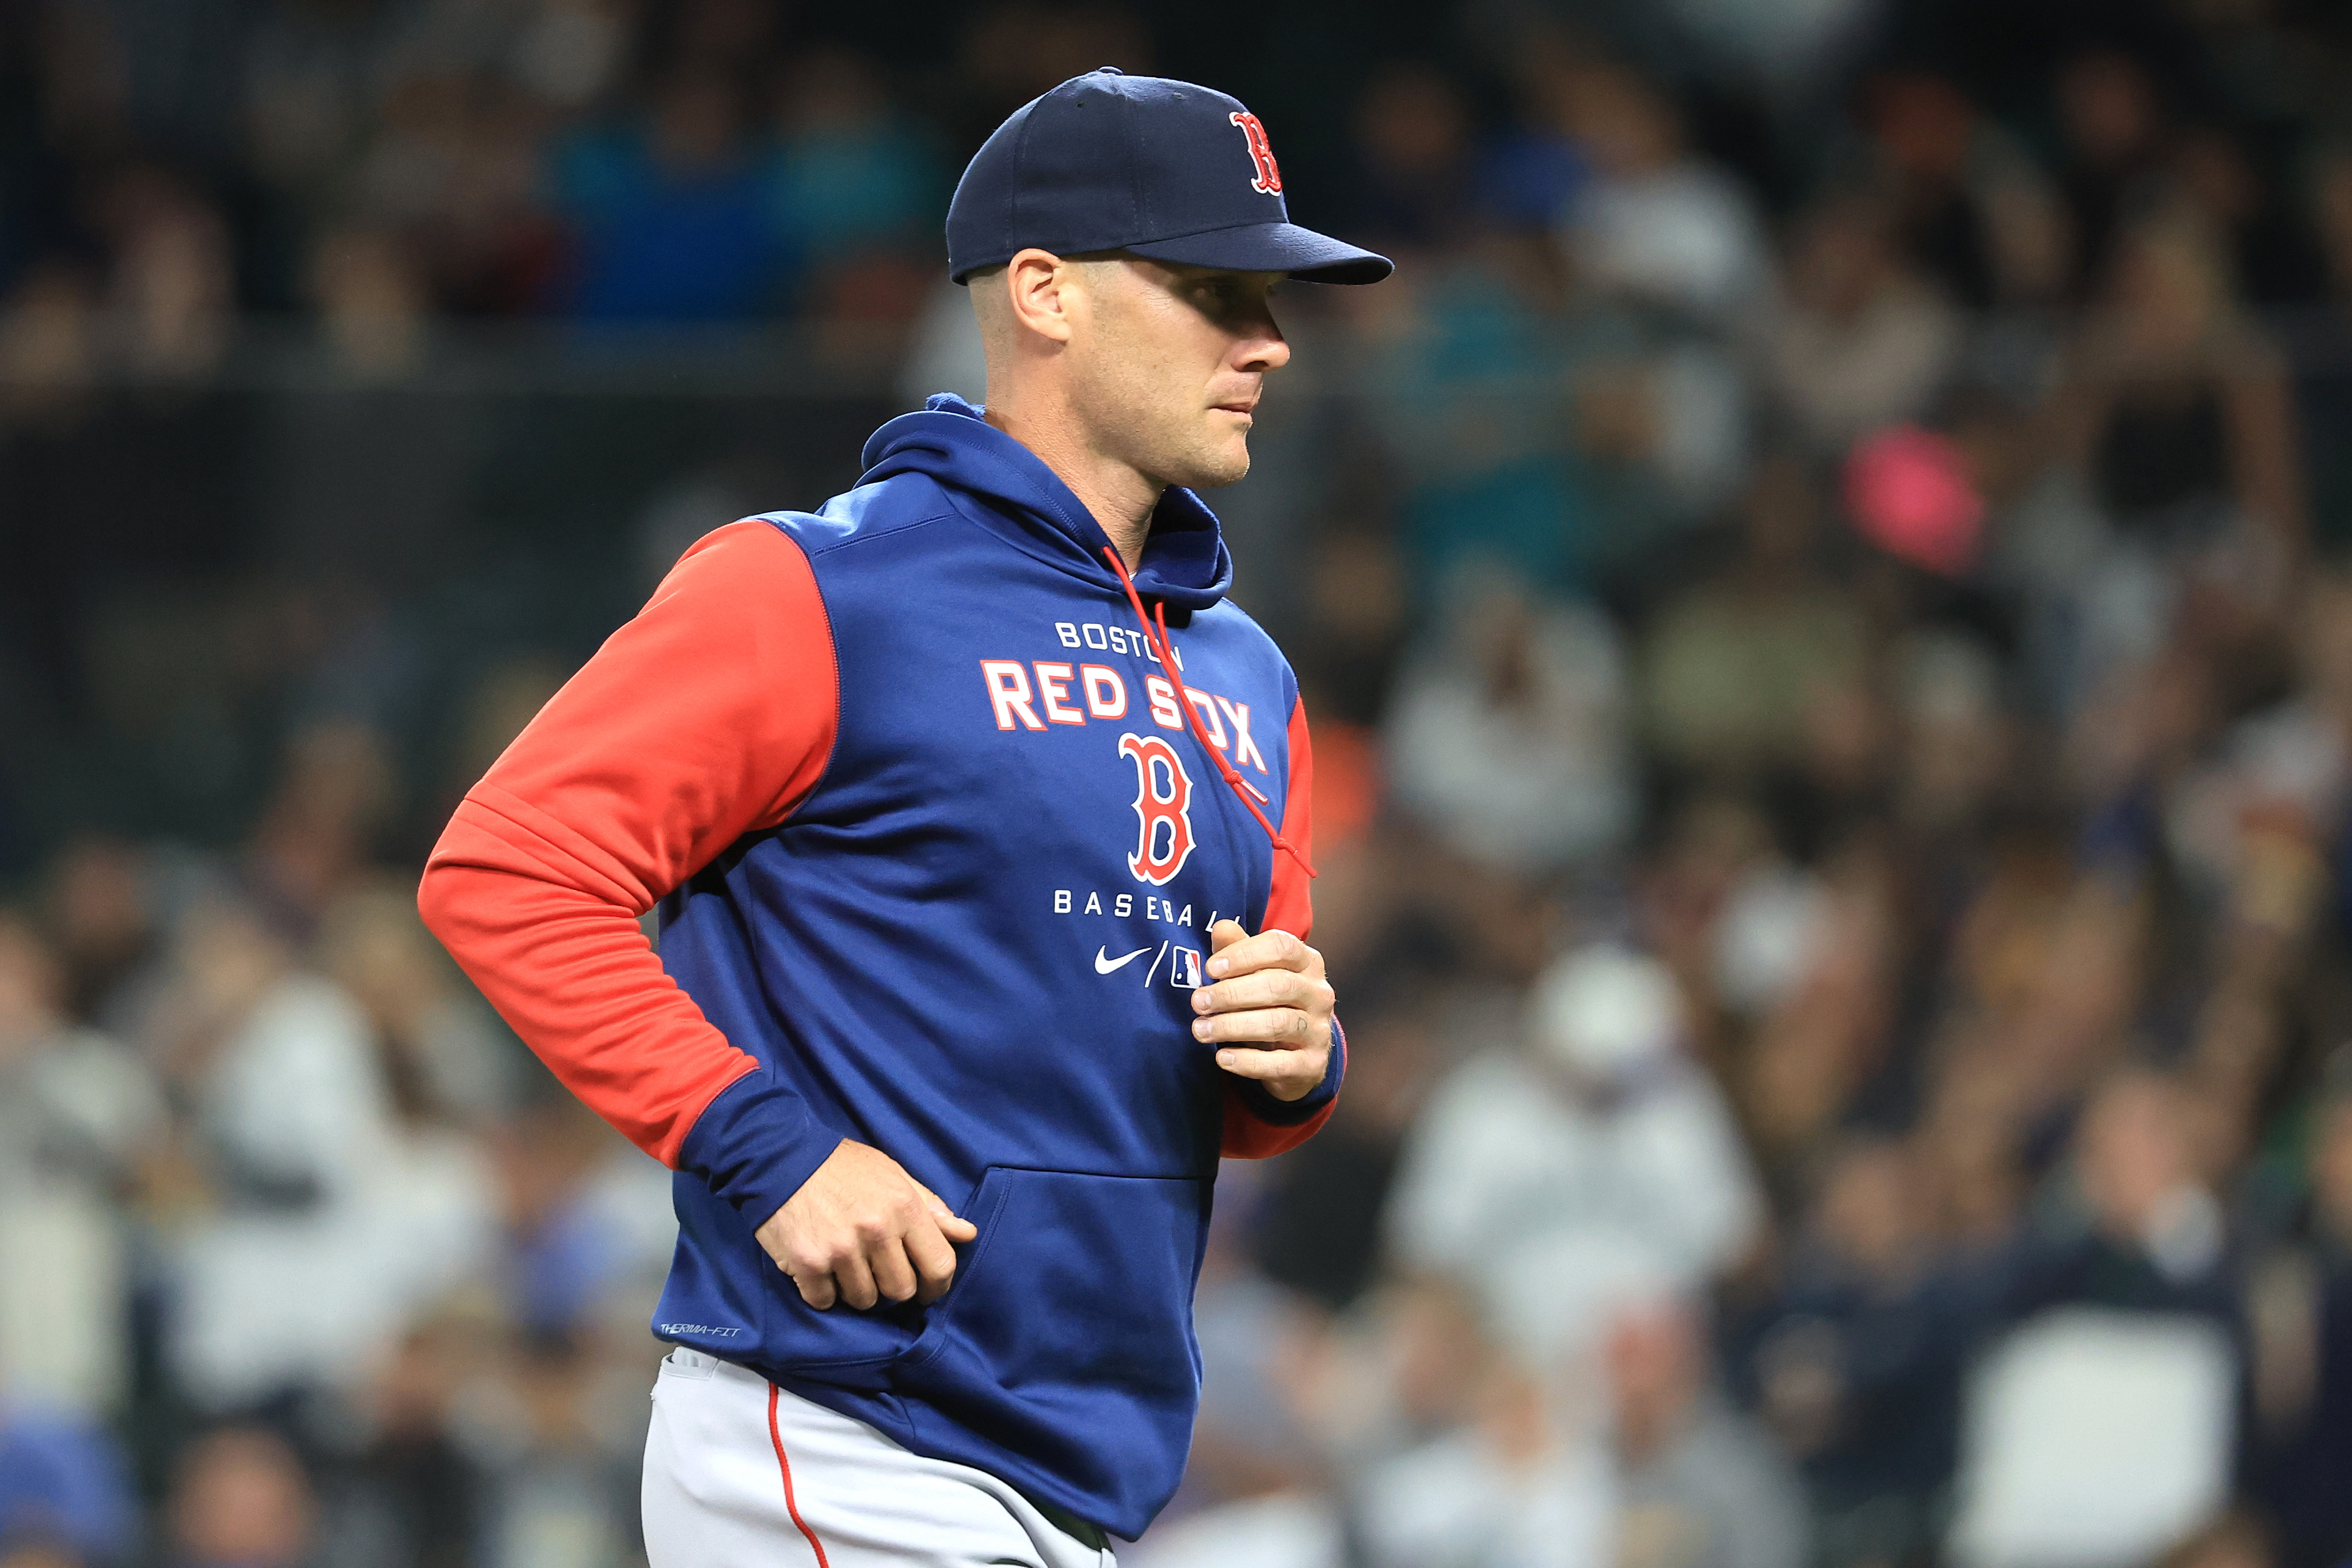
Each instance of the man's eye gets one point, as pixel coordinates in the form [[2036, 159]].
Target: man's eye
[[1222, 298]]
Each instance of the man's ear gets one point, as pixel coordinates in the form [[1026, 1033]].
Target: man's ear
[[1040, 293]]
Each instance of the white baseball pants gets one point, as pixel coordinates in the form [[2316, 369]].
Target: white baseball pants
[[742, 1473]]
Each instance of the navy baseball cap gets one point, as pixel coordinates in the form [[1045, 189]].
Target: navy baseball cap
[[1139, 164]]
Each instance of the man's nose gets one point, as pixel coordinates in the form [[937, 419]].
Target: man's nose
[[1266, 350]]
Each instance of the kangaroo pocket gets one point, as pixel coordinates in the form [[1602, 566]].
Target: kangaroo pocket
[[1067, 1339]]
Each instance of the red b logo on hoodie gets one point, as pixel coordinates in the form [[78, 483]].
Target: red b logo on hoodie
[[1269, 175], [1165, 842]]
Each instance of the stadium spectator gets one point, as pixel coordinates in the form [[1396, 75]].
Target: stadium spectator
[[577, 1218], [565, 1490], [1531, 174], [1523, 1480], [1472, 365], [49, 346], [2268, 246], [857, 188], [1823, 1039], [1513, 690], [2176, 407], [76, 1112], [414, 1496], [1698, 1485], [1595, 1164], [171, 287], [2145, 1234], [1856, 1362], [1354, 625], [1972, 209], [447, 1064], [670, 213], [318, 831], [1417, 182], [370, 303], [2113, 120], [98, 913], [1658, 223], [451, 175], [1860, 343], [1737, 670], [1258, 1487], [299, 1244]]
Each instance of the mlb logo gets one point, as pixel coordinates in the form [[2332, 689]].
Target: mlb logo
[[1185, 972]]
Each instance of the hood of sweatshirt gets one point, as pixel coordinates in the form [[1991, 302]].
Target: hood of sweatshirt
[[1185, 563]]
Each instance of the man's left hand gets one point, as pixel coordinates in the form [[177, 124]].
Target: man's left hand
[[1268, 1010]]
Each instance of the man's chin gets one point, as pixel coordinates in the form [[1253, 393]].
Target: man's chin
[[1215, 471]]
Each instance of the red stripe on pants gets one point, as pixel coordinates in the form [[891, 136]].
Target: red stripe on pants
[[776, 1436]]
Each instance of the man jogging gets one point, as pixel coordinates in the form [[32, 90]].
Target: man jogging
[[977, 820]]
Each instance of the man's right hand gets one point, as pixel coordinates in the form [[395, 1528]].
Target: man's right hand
[[861, 1229]]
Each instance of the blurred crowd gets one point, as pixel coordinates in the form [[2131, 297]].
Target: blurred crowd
[[379, 165], [1821, 587]]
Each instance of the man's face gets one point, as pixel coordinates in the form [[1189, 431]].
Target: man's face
[[1170, 361]]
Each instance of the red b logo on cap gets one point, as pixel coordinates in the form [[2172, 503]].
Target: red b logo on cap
[[1269, 175]]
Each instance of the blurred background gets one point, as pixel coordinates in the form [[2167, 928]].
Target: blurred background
[[1822, 590]]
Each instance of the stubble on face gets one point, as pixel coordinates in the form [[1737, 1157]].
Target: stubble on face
[[1158, 360]]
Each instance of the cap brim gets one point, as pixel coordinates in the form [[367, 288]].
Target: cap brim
[[1285, 247]]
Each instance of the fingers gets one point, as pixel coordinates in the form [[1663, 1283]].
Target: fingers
[[917, 1266], [1269, 992], [950, 1225], [1266, 950], [861, 1231], [1223, 935], [1245, 1062], [1286, 1075], [913, 1261], [809, 1273], [894, 1275], [1262, 1025], [854, 1281], [1265, 988], [816, 1286], [934, 1261], [927, 1246]]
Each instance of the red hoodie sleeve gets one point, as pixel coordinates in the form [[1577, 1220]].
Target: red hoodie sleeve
[[708, 716], [1257, 1125]]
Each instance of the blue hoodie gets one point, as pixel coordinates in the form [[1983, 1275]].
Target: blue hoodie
[[971, 946]]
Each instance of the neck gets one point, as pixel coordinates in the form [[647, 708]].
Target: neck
[[1118, 496]]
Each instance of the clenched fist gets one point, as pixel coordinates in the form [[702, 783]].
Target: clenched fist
[[1270, 994], [861, 1229]]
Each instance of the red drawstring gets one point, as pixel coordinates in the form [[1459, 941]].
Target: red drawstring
[[1166, 651]]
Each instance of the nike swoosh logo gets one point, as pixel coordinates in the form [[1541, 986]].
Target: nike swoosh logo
[[1105, 965]]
